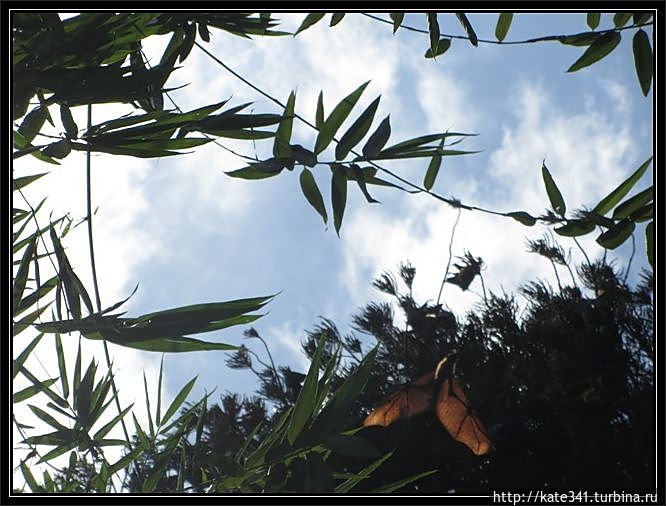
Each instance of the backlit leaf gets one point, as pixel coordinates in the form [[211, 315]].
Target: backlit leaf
[[612, 199], [575, 228], [431, 173], [649, 242], [336, 18], [309, 20], [554, 195], [304, 407], [312, 193], [281, 148], [336, 118], [469, 30], [523, 217], [433, 31], [378, 139], [442, 46], [33, 123], [634, 203], [68, 122], [593, 19], [338, 197], [597, 50], [319, 116], [616, 235], [503, 25], [621, 18], [356, 131], [397, 18], [643, 60]]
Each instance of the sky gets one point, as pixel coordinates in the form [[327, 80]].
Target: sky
[[188, 233]]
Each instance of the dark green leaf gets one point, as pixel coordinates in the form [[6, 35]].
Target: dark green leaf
[[21, 277], [554, 195], [62, 367], [304, 408], [364, 473], [32, 124], [203, 32], [18, 362], [46, 418], [30, 479], [303, 155], [523, 217], [612, 199], [42, 386], [357, 131], [593, 19], [178, 400], [641, 17], [582, 39], [616, 235], [575, 228], [621, 18], [397, 18], [59, 149], [24, 148], [632, 204], [397, 485], [21, 182], [281, 148], [378, 139], [319, 116], [336, 18], [28, 392], [649, 242], [350, 445], [469, 30], [312, 193], [643, 214], [359, 176], [442, 46], [336, 118], [431, 173], [503, 25], [433, 31], [309, 20], [188, 42], [597, 50], [175, 345], [643, 60], [68, 122], [338, 197], [258, 170]]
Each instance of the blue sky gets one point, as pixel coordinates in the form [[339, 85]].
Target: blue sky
[[189, 233]]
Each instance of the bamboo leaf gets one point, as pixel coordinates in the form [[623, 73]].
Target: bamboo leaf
[[28, 392], [397, 18], [442, 46], [612, 199], [21, 277], [503, 25], [575, 228], [378, 139], [338, 197], [597, 50], [643, 60], [62, 367], [523, 217], [616, 235], [469, 30], [336, 18], [336, 118], [357, 131], [312, 193], [593, 19], [319, 115], [621, 18], [178, 400], [33, 123], [18, 362], [309, 20], [433, 31], [304, 407], [649, 242], [633, 204], [281, 147], [71, 128], [554, 195]]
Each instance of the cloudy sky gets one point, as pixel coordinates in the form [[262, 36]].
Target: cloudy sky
[[188, 233]]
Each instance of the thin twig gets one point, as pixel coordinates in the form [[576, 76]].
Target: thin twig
[[448, 265], [546, 38]]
